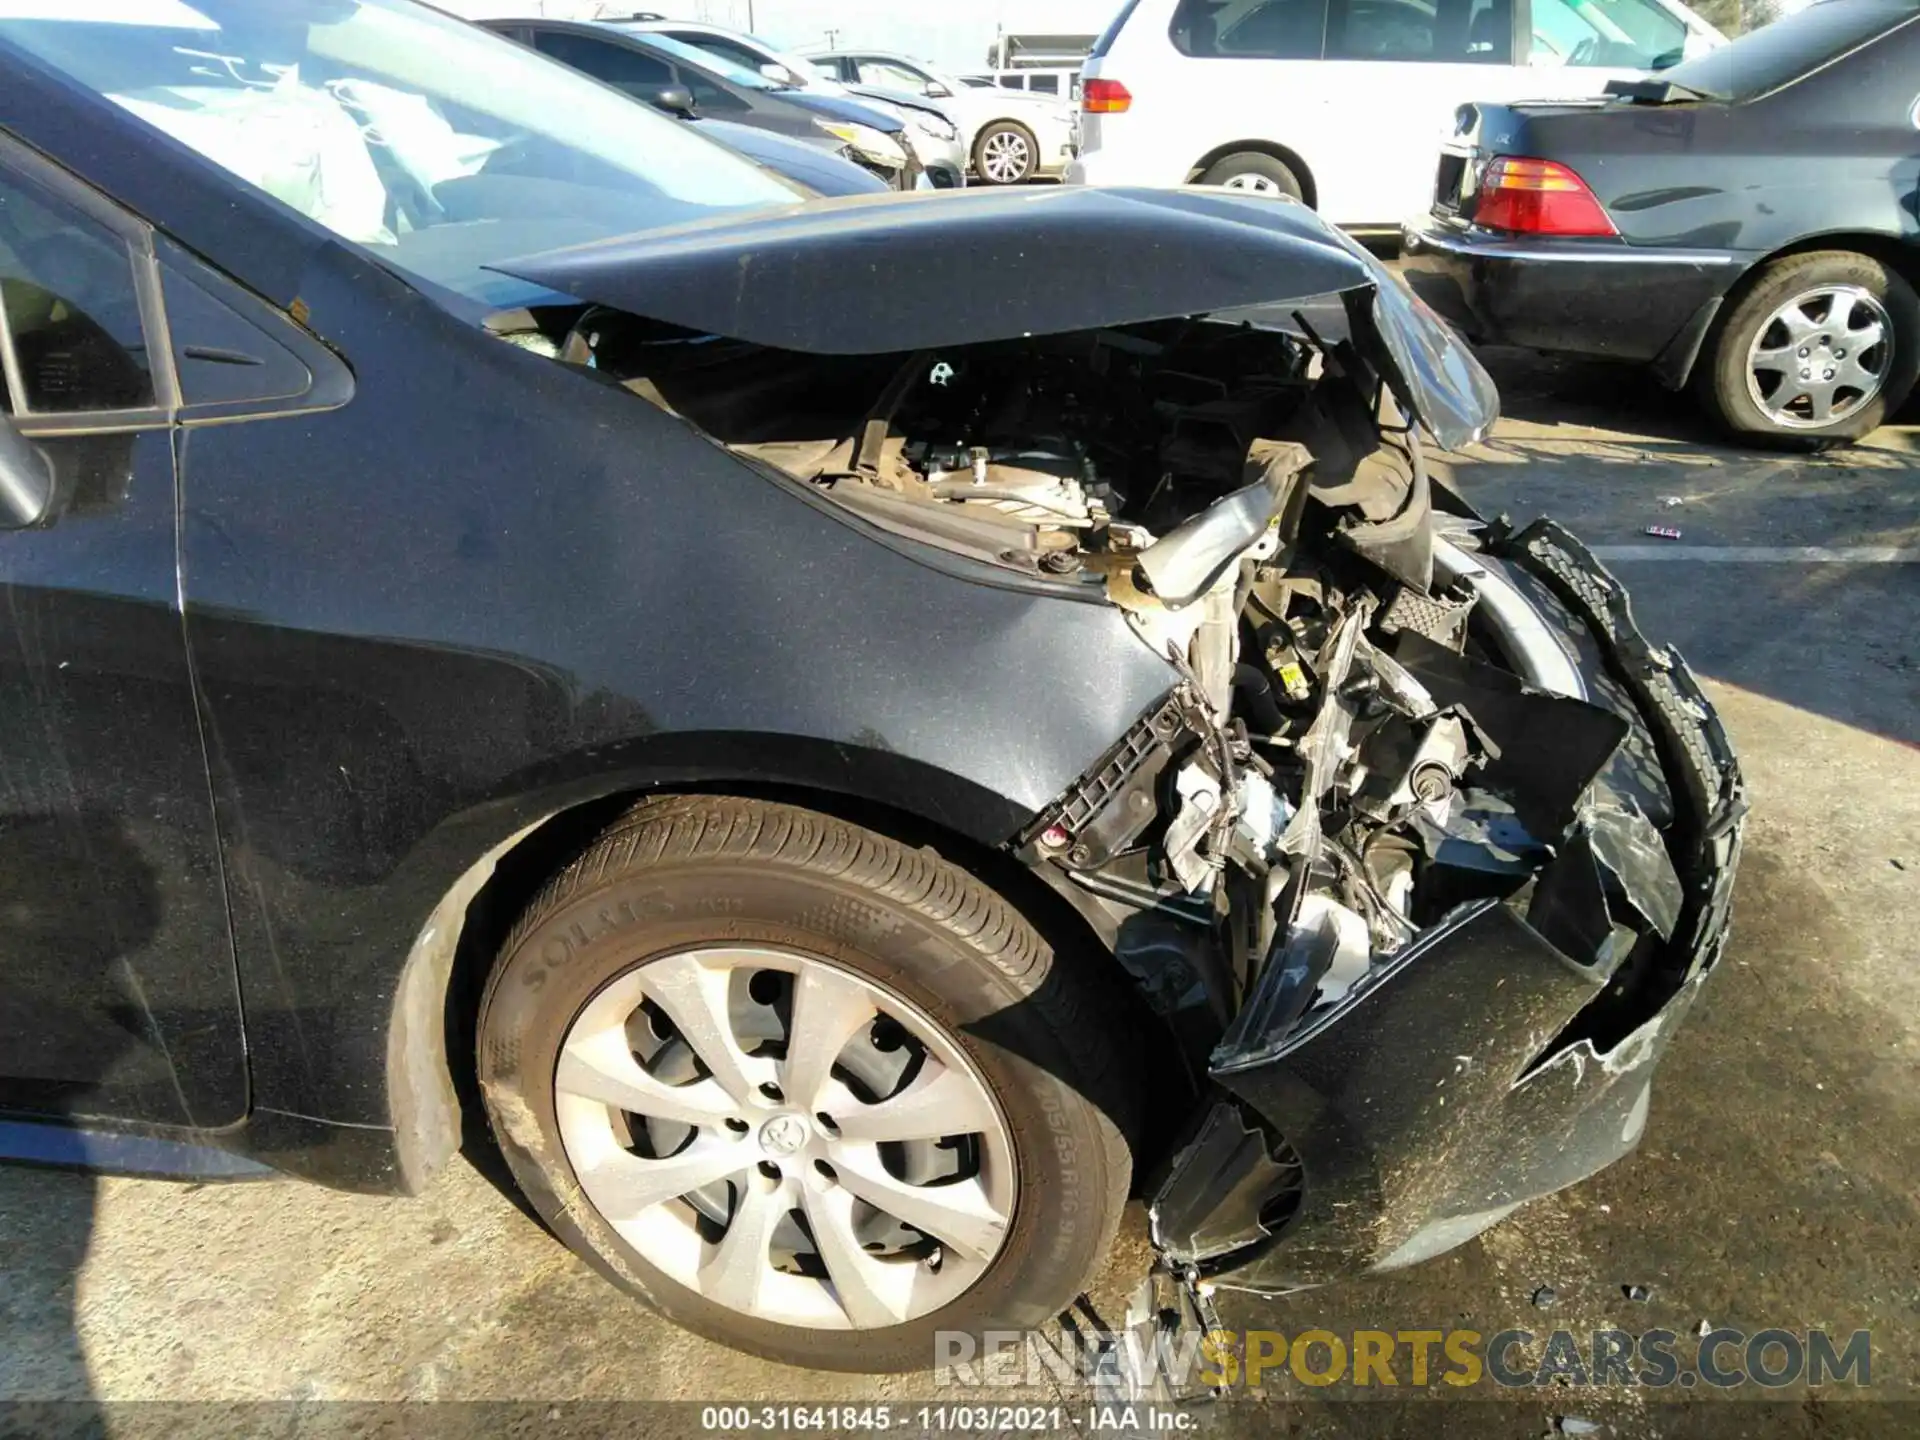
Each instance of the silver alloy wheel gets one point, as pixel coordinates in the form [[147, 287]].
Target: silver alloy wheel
[[1820, 357], [1253, 182], [1006, 157], [785, 1137]]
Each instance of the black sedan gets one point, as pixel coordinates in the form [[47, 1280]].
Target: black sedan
[[680, 79], [510, 612], [1743, 222]]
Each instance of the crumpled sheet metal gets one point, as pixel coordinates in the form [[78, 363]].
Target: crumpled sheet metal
[[1438, 1095], [1404, 1100]]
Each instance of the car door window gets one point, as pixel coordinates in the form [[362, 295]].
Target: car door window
[[71, 337], [719, 45], [1250, 29], [1450, 32], [624, 69], [889, 76], [1621, 34]]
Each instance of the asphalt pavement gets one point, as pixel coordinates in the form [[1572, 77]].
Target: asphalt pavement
[[1778, 1184]]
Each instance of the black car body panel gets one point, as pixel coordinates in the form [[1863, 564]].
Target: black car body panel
[[337, 875], [1589, 297], [492, 649], [1700, 191], [453, 571], [817, 167], [962, 268]]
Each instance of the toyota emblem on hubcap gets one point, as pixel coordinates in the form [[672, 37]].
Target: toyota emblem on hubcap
[[783, 1134]]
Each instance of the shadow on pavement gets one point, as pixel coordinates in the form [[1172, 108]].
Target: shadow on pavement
[[46, 1226], [1606, 451]]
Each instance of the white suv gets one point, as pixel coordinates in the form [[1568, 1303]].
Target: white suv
[[1342, 103]]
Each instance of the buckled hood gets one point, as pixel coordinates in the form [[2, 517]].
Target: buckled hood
[[874, 275]]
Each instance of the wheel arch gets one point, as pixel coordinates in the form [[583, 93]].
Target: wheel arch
[[1310, 192], [1007, 118], [431, 1076], [1890, 250]]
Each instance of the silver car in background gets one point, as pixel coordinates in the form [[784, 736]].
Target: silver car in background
[[1010, 135], [935, 136]]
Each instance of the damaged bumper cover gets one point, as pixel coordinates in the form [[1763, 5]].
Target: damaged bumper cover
[[1506, 1052]]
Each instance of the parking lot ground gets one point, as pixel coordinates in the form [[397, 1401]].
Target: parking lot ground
[[1779, 1183]]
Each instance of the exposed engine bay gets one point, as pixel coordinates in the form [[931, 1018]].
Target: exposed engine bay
[[1388, 724], [1255, 502]]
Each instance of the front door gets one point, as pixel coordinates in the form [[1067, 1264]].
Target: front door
[[117, 992]]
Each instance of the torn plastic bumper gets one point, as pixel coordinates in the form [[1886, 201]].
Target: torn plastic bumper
[[1503, 1054]]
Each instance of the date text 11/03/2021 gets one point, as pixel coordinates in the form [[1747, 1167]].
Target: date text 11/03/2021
[[966, 1419]]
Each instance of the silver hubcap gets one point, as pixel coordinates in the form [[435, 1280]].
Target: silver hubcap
[[1006, 156], [785, 1137], [1820, 357], [1257, 184]]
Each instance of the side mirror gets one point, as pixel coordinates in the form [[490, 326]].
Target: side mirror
[[780, 74], [937, 91], [26, 480], [674, 99]]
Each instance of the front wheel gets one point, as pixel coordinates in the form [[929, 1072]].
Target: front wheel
[[1821, 348], [1005, 153], [804, 1090]]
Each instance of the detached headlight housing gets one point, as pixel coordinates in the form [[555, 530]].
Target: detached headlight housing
[[867, 142], [936, 126]]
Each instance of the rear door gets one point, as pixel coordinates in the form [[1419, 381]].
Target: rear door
[[117, 988]]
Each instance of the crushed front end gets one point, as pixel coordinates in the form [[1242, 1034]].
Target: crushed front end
[[1424, 851], [1424, 868]]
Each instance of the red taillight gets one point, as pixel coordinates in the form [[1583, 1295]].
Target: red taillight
[[1537, 197], [1104, 97]]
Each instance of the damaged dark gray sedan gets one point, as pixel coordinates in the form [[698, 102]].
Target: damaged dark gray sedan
[[857, 734]]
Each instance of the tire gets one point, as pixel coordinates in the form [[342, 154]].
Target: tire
[[1255, 172], [1755, 400], [1006, 147], [682, 880]]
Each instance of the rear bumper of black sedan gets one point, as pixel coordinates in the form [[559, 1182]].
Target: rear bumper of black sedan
[[1484, 1066], [1600, 297]]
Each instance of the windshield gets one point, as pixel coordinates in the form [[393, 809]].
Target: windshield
[[440, 147], [1780, 53], [713, 64]]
